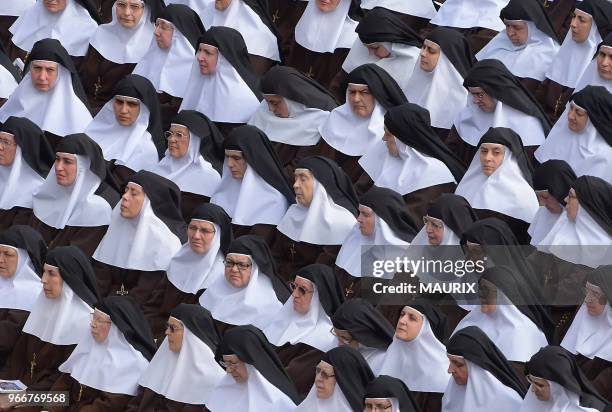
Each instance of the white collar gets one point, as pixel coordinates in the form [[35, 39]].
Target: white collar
[[590, 335], [15, 8], [541, 224], [561, 399], [21, 290], [466, 14], [424, 9], [591, 77], [326, 32], [337, 402], [18, 182], [8, 84], [196, 5]]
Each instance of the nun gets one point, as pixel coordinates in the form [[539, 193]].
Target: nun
[[436, 83], [585, 139], [168, 61], [254, 188], [25, 161], [50, 94], [386, 393], [481, 377], [251, 291], [181, 375], [74, 204], [340, 382], [129, 128], [10, 75], [415, 14], [285, 16], [193, 159], [103, 371], [293, 109], [22, 252], [58, 319], [116, 47], [370, 93], [411, 159], [599, 71], [255, 378]]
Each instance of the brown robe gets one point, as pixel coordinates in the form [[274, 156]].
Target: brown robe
[[14, 52], [428, 401], [553, 97], [5, 34], [14, 216], [418, 201], [148, 401], [320, 66], [478, 37], [266, 232], [120, 173], [11, 324], [530, 84], [260, 64], [285, 16], [290, 155], [350, 164], [519, 227], [560, 13], [464, 151], [300, 361], [599, 372], [86, 399], [85, 238]]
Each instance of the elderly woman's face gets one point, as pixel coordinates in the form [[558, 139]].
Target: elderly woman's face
[[8, 261], [100, 326], [572, 205], [549, 202], [200, 234], [178, 140], [235, 367], [129, 12], [325, 380], [457, 367], [303, 289], [8, 149], [174, 334], [238, 270]]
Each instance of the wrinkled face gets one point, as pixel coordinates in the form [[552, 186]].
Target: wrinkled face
[[65, 168], [163, 33], [581, 26], [360, 99], [604, 62], [8, 149], [517, 32], [594, 299], [54, 6], [571, 205], [303, 289], [457, 367], [238, 270], [277, 105], [235, 367], [488, 296], [174, 334], [327, 5], [435, 230], [44, 75], [345, 338], [200, 234], [52, 281], [481, 99], [430, 54], [132, 201], [236, 163], [391, 143], [491, 157], [129, 12], [126, 110], [325, 380], [178, 140], [577, 118], [207, 58], [221, 5], [378, 50], [8, 261], [366, 220], [409, 324], [100, 325], [303, 186], [540, 387], [378, 405], [549, 202]]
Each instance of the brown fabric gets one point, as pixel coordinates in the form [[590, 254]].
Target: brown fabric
[[85, 238], [300, 361], [553, 97], [189, 201], [121, 173], [15, 216], [226, 128], [350, 164], [320, 66], [53, 139], [105, 10], [260, 64], [351, 286], [290, 155], [335, 86], [285, 16], [266, 232], [169, 107], [418, 201], [530, 84], [5, 34], [86, 399], [428, 401], [148, 401], [560, 13], [519, 368], [464, 151], [478, 37], [15, 52], [11, 324]]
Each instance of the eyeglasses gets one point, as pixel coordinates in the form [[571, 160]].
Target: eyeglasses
[[478, 95], [301, 289], [196, 229], [324, 375], [593, 296], [228, 364], [133, 6], [7, 143], [435, 223], [173, 328], [175, 135], [241, 266], [376, 407], [163, 25], [8, 255], [346, 341], [98, 320]]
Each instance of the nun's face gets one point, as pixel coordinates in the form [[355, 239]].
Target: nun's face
[[163, 33], [178, 141], [303, 289], [491, 157], [457, 367], [325, 380], [52, 282], [207, 58], [571, 205], [481, 99], [389, 140], [434, 229], [131, 201], [44, 75], [580, 26], [8, 149], [303, 187], [126, 110], [540, 388], [378, 50], [65, 169], [378, 404], [221, 5], [360, 99], [238, 270], [409, 324], [129, 12], [327, 6], [604, 62], [488, 297], [595, 300], [277, 105], [366, 220], [345, 338], [55, 6], [235, 367], [430, 54], [577, 118], [236, 163], [100, 326], [8, 262], [517, 32], [174, 334], [549, 202], [200, 235]]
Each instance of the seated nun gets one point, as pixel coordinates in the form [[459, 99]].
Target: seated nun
[[58, 319], [254, 188], [128, 128], [255, 379], [222, 84], [340, 382], [323, 36], [50, 94], [482, 380], [22, 250], [416, 14], [361, 326], [103, 371], [251, 292], [370, 92], [10, 75], [168, 61], [386, 393], [557, 384], [294, 108], [585, 139], [417, 355], [527, 46], [74, 205], [116, 47], [411, 159], [497, 99], [302, 328], [498, 182], [25, 161], [436, 83], [183, 371], [193, 159], [599, 71], [325, 212]]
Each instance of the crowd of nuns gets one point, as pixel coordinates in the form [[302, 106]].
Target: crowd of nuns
[[193, 194]]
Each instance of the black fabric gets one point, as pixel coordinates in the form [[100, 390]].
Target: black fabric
[[252, 347], [35, 149], [76, 270], [129, 318], [352, 372], [156, 7], [91, 8], [411, 124], [216, 214], [355, 11], [532, 11], [475, 346], [261, 156], [389, 387], [382, 25], [385, 89], [290, 83], [454, 211], [165, 198], [5, 62], [455, 47], [211, 146], [258, 249], [497, 81], [185, 20], [231, 45], [365, 323], [595, 195], [510, 139], [330, 292], [555, 176], [337, 184], [199, 321], [556, 364], [436, 318], [260, 7], [26, 238], [601, 10], [141, 88], [390, 207], [597, 101], [602, 277]]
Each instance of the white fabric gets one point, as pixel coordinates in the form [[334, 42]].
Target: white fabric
[[466, 14], [531, 60], [541, 224], [505, 191], [561, 400], [111, 366], [449, 238], [590, 335], [58, 110], [591, 77], [15, 8], [121, 45], [325, 32], [131, 146], [21, 290], [8, 84], [18, 182], [197, 5], [322, 223], [73, 27], [337, 402], [418, 8], [60, 321], [373, 356], [142, 243], [187, 376]]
